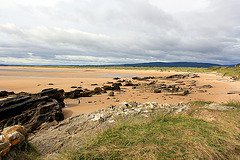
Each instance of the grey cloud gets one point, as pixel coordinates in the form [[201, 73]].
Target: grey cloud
[[120, 31]]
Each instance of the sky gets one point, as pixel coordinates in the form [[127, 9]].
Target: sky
[[95, 32]]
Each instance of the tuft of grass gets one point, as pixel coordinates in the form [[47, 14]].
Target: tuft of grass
[[200, 103], [163, 137], [195, 105], [25, 151], [233, 103]]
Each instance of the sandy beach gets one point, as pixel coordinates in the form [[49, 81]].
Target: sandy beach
[[34, 79]]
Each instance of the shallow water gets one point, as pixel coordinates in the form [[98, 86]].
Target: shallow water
[[82, 74]]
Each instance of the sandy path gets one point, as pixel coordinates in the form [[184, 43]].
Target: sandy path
[[33, 80]]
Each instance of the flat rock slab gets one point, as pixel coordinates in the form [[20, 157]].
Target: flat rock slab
[[217, 106]]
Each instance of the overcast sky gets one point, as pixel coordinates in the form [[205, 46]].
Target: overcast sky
[[84, 32]]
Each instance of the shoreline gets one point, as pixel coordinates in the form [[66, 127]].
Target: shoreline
[[69, 77]]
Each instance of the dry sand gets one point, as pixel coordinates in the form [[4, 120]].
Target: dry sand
[[33, 80]]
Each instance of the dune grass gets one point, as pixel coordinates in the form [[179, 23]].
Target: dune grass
[[233, 103], [25, 151], [165, 137]]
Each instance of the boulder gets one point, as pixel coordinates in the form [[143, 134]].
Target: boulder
[[78, 93], [11, 136], [98, 90]]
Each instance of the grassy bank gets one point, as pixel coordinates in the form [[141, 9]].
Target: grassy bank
[[201, 134]]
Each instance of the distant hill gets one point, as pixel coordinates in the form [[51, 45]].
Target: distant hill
[[150, 64], [163, 64], [173, 64]]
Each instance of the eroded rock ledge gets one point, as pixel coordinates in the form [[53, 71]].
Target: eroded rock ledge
[[72, 130], [31, 110]]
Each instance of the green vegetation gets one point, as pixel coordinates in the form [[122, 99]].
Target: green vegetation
[[26, 151], [167, 137], [233, 102]]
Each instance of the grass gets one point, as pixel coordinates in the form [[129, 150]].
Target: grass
[[233, 103], [165, 137], [25, 151]]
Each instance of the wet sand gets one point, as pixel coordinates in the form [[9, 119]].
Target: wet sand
[[33, 80]]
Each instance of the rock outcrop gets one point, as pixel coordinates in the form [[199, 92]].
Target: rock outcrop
[[31, 110], [73, 129], [4, 94], [11, 136], [216, 106]]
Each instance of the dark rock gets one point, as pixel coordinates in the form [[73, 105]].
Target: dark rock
[[153, 82], [107, 87], [32, 110], [129, 83], [111, 93], [201, 91], [116, 78], [74, 87], [5, 94], [181, 93], [50, 84], [182, 76], [98, 90], [142, 78], [157, 91], [78, 93], [94, 84], [121, 80], [54, 94], [205, 86], [115, 86], [179, 82], [233, 92]]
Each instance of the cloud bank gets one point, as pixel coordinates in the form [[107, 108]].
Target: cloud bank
[[71, 32]]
